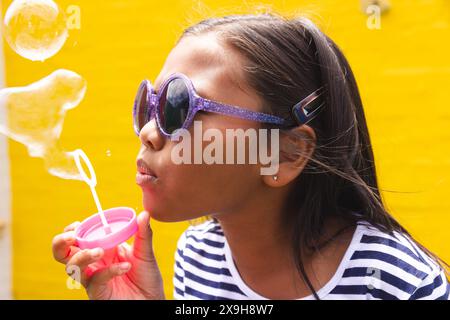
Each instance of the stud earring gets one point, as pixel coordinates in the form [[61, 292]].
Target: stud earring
[[275, 178]]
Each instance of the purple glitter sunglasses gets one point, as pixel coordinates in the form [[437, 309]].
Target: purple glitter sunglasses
[[177, 102]]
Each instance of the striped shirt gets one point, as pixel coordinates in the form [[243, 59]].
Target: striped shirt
[[376, 265]]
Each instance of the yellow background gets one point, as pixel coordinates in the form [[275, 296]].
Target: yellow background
[[403, 71]]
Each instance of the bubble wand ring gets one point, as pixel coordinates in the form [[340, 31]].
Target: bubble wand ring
[[92, 182]]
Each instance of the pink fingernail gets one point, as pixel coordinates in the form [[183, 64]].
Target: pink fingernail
[[69, 238], [124, 266], [95, 253]]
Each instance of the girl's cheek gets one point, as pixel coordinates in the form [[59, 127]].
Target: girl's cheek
[[200, 187]]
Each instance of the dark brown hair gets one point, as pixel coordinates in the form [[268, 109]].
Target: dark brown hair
[[286, 60]]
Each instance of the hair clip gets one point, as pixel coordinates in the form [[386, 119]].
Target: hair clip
[[305, 110]]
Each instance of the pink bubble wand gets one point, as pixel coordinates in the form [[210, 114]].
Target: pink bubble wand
[[97, 231]]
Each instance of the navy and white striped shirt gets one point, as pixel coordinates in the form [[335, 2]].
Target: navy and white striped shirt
[[376, 265]]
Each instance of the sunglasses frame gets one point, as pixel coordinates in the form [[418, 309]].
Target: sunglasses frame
[[197, 103]]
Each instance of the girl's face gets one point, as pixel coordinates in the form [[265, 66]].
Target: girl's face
[[189, 191]]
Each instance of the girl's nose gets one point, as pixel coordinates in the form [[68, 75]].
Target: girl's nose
[[151, 137]]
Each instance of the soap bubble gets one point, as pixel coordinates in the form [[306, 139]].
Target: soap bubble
[[34, 116], [35, 29]]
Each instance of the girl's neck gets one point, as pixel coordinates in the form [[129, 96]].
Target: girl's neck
[[261, 247], [256, 235]]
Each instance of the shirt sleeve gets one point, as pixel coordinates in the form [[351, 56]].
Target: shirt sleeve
[[178, 277], [434, 287]]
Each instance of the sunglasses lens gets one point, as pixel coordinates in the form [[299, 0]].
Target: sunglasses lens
[[140, 113], [174, 105]]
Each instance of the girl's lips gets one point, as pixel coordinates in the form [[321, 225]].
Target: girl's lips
[[143, 168], [143, 179], [144, 174]]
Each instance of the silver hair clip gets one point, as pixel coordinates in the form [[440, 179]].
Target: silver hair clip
[[308, 108]]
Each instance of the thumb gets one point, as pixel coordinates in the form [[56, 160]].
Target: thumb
[[143, 244]]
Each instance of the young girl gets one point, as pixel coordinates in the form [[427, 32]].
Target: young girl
[[315, 229]]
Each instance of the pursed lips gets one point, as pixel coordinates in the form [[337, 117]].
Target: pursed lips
[[144, 173]]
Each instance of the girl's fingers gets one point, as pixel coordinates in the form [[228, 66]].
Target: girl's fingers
[[125, 246], [80, 261], [61, 246], [143, 246], [102, 276], [72, 226], [123, 252]]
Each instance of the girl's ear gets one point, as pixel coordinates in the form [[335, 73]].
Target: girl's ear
[[295, 150]]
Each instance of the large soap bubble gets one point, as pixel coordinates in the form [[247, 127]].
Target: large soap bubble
[[35, 29], [35, 116]]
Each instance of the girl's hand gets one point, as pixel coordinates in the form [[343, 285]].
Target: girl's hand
[[121, 273]]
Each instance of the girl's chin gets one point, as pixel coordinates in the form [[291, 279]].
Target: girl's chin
[[163, 216], [156, 212], [155, 215]]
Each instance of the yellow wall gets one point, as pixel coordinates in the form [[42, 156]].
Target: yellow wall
[[403, 71]]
